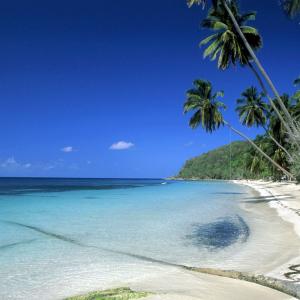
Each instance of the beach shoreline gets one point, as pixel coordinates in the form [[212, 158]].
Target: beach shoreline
[[272, 200], [280, 201], [284, 198]]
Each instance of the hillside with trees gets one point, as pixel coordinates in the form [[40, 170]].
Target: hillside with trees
[[233, 161], [232, 42]]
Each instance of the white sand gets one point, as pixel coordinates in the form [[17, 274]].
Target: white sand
[[285, 199], [175, 283], [184, 285]]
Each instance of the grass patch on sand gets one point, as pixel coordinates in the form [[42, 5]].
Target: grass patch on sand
[[114, 294]]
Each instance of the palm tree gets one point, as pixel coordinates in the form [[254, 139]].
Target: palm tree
[[228, 6], [253, 111], [296, 98], [208, 113], [276, 126], [291, 7], [228, 45], [208, 108]]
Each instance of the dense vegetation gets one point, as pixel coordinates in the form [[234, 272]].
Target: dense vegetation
[[233, 42], [232, 161]]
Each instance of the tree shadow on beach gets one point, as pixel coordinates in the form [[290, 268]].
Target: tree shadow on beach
[[266, 199]]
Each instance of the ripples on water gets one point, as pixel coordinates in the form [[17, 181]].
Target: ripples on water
[[67, 234]]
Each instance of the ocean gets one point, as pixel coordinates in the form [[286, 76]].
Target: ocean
[[59, 237]]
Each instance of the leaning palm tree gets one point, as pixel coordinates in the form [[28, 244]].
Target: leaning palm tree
[[276, 127], [208, 108], [208, 113], [251, 108], [227, 45], [228, 6], [295, 111], [253, 111], [291, 7]]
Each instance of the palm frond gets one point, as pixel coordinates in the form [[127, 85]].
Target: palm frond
[[297, 81], [225, 45], [207, 109], [210, 50], [291, 7], [190, 3], [250, 16], [209, 38]]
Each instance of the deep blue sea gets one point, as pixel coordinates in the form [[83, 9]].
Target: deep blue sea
[[59, 237]]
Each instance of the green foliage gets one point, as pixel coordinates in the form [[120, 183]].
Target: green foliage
[[206, 107], [291, 7], [251, 108], [203, 3], [219, 163], [190, 3], [114, 294], [226, 44], [295, 168]]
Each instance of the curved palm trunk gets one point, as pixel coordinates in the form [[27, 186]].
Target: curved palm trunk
[[271, 101], [278, 144], [291, 126], [259, 150], [275, 109]]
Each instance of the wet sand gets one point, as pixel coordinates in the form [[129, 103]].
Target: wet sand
[[274, 251], [277, 257]]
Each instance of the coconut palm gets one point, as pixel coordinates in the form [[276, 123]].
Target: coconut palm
[[296, 98], [251, 108], [291, 7], [225, 44], [228, 6], [253, 111], [276, 127], [228, 46], [207, 107], [208, 113]]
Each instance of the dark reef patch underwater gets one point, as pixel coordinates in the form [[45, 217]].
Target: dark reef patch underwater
[[220, 234]]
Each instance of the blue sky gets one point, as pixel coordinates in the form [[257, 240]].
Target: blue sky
[[79, 77]]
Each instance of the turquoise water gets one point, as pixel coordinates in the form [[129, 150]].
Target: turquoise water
[[59, 237]]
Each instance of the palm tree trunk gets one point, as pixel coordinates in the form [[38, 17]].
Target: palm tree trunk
[[272, 102], [259, 150], [292, 128], [277, 143], [275, 109]]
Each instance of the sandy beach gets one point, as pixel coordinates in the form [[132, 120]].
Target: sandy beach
[[279, 204], [264, 253], [284, 198]]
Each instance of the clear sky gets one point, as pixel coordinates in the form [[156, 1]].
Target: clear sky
[[80, 81]]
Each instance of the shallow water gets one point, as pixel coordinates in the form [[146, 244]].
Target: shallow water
[[59, 237]]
